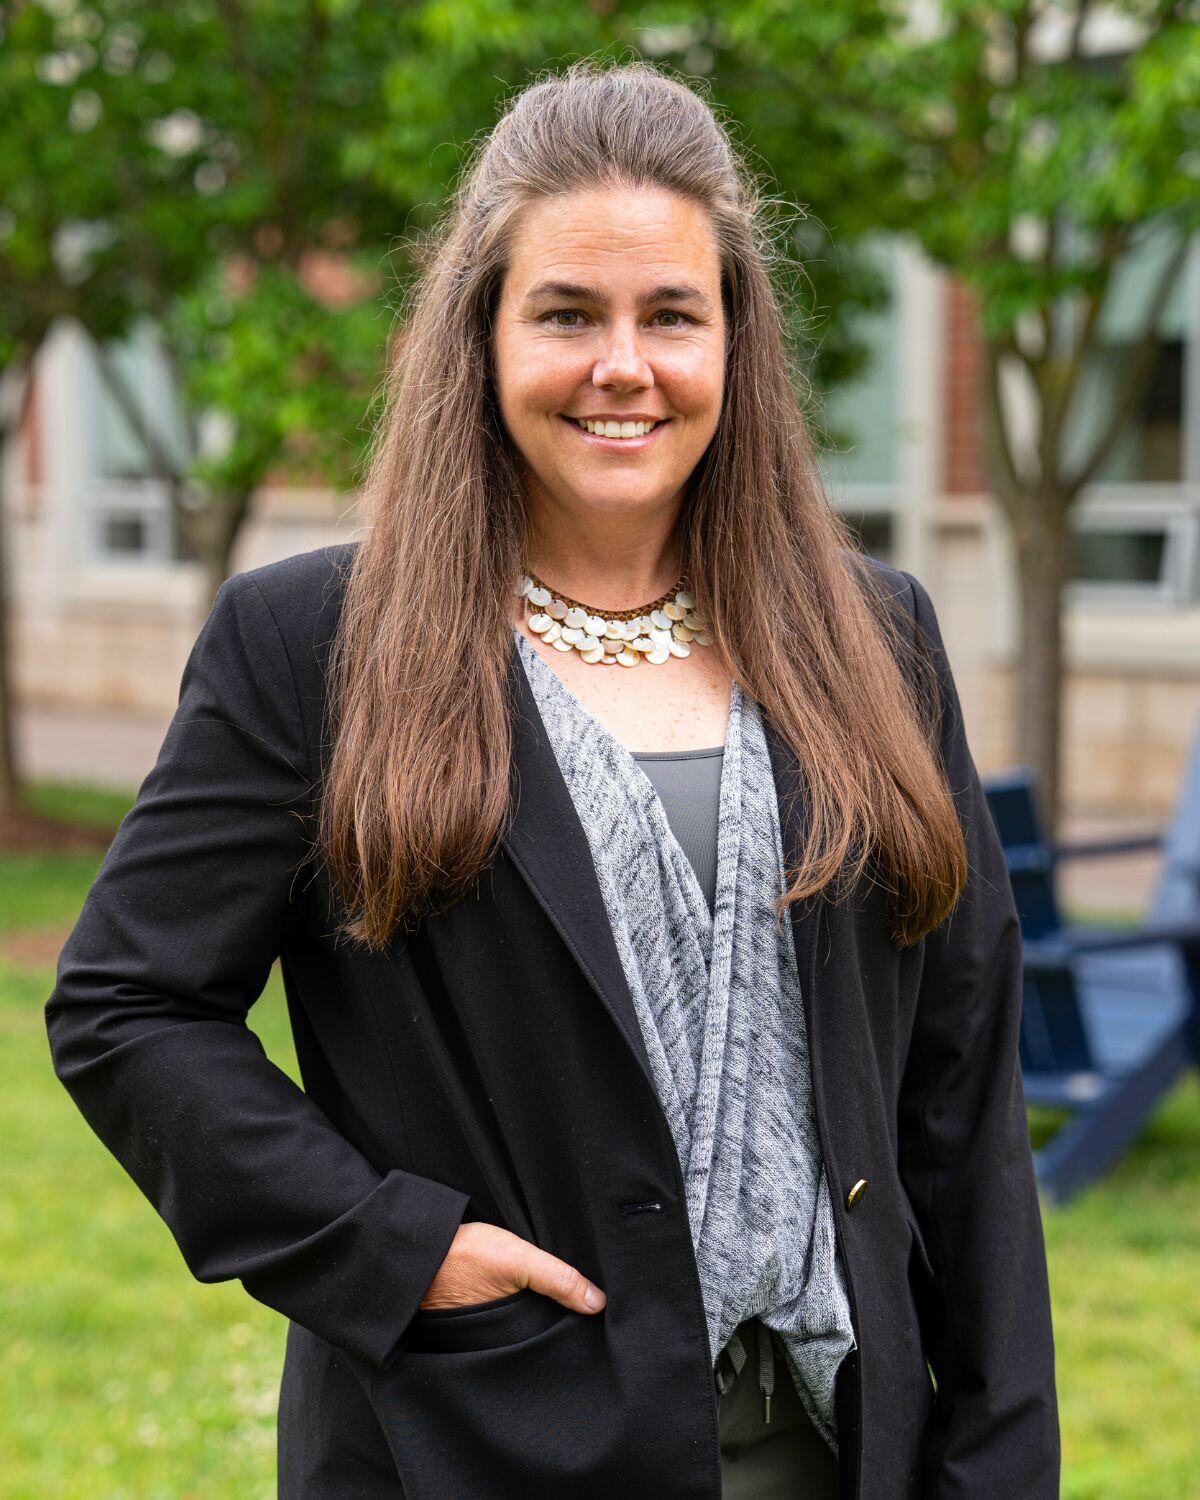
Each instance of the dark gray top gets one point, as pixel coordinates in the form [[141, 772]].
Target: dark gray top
[[688, 783]]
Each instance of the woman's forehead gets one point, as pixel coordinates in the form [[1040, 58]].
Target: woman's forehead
[[608, 239]]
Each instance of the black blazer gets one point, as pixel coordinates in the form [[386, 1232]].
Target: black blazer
[[490, 1066]]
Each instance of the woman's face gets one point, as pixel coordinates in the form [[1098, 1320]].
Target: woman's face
[[611, 309]]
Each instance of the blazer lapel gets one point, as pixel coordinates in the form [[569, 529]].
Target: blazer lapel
[[547, 843]]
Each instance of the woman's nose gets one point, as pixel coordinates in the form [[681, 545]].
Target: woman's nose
[[622, 361]]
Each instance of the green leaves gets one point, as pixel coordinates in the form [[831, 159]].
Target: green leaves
[[147, 146]]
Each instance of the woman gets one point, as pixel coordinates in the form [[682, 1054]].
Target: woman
[[662, 1134]]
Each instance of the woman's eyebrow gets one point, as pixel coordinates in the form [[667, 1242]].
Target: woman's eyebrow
[[666, 292]]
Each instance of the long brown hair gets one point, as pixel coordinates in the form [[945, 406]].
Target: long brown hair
[[416, 785]]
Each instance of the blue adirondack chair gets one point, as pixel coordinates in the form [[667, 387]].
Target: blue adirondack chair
[[1110, 1017]]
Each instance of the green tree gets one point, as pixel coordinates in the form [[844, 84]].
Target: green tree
[[186, 164], [1031, 159], [87, 203]]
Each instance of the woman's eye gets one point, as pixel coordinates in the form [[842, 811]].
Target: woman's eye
[[573, 312]]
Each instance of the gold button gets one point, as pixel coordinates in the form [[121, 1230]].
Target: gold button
[[856, 1192]]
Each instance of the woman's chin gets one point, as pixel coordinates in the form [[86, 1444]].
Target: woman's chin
[[610, 497]]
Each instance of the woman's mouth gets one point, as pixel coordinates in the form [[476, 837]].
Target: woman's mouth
[[617, 435]]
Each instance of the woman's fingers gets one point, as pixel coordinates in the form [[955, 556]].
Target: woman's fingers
[[485, 1262], [545, 1273]]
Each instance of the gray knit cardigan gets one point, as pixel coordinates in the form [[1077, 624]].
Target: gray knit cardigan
[[718, 1002]]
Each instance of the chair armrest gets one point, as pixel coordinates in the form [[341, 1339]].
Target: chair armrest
[[1134, 843], [1054, 952]]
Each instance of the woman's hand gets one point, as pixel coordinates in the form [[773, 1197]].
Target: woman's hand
[[485, 1261]]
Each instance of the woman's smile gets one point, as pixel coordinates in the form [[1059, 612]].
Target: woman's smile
[[613, 435]]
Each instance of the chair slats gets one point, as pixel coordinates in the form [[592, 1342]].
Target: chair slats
[[1109, 1017]]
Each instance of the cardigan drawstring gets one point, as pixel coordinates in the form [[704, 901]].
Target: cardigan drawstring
[[766, 1368], [733, 1357]]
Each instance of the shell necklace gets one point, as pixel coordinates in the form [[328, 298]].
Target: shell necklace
[[666, 627]]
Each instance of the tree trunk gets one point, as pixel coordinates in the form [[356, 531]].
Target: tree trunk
[[16, 381], [211, 534], [10, 780], [1044, 547]]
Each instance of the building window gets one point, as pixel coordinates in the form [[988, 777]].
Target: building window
[[1121, 556], [874, 531], [864, 412], [129, 514], [1137, 525], [1136, 550], [1150, 448], [860, 418]]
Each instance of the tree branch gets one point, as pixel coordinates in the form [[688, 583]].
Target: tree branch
[[296, 141], [161, 463], [1057, 397], [1114, 242], [1000, 458], [1135, 384], [1081, 17]]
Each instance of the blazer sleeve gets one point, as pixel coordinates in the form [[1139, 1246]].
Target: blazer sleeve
[[147, 1020], [967, 1167]]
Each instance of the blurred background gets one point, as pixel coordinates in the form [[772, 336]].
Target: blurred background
[[987, 218]]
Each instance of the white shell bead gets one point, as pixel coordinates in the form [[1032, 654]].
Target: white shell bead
[[590, 642], [592, 654], [682, 633], [539, 596], [663, 621], [684, 598], [614, 631], [704, 639], [630, 629], [575, 617], [659, 637], [628, 658], [561, 645], [611, 646], [659, 654], [553, 631], [693, 622], [557, 608], [596, 624], [643, 643], [674, 611], [538, 623], [572, 635], [524, 586], [679, 648]]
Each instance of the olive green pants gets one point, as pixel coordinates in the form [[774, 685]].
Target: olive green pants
[[784, 1459]]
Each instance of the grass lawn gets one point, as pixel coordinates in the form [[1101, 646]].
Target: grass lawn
[[124, 1378]]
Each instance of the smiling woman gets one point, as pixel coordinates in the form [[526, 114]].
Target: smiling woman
[[661, 1135]]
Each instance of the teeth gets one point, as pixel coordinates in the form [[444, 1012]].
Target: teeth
[[617, 429]]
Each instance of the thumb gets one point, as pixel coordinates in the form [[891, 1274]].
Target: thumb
[[545, 1273]]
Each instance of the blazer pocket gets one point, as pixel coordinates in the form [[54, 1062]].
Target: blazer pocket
[[482, 1325]]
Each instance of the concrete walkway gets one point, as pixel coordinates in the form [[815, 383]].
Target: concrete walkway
[[109, 750]]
